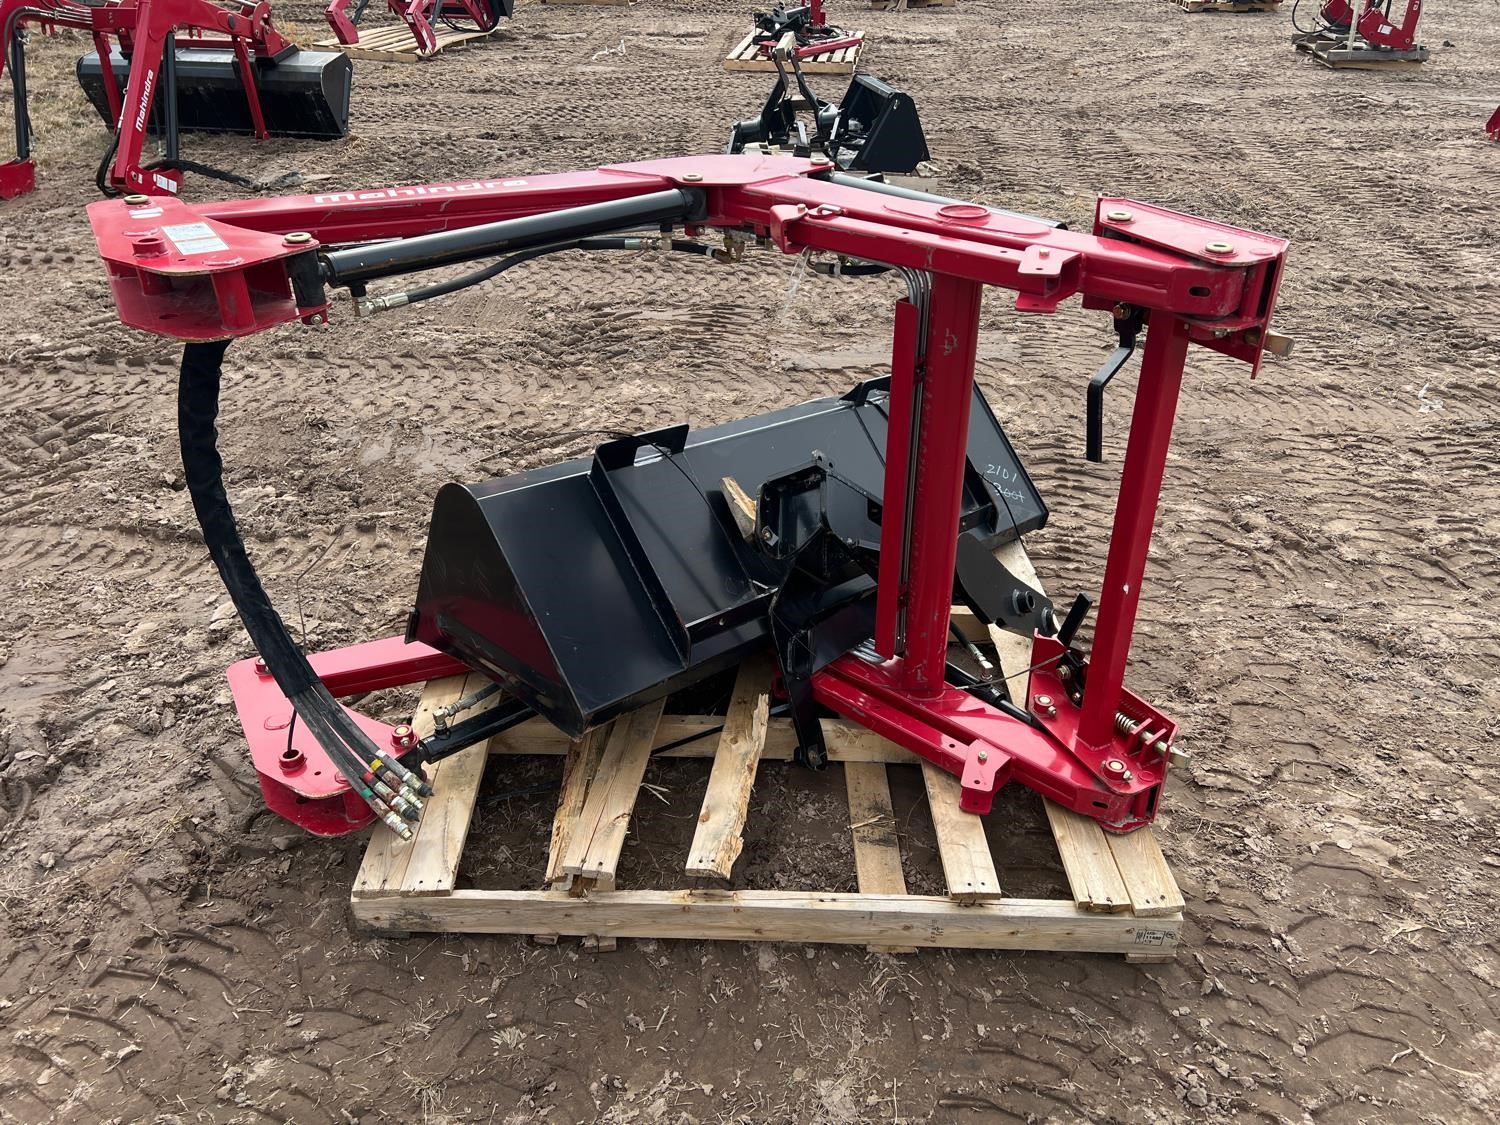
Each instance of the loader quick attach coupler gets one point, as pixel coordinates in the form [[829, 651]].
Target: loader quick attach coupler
[[838, 533]]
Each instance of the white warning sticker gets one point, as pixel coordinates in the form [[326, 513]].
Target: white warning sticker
[[194, 238]]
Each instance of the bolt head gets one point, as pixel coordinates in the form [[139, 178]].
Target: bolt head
[[1044, 701], [1051, 712], [984, 756], [1064, 673], [261, 669], [1219, 247], [1076, 697]]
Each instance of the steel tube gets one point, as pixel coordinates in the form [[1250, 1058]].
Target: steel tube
[[1135, 515], [880, 187], [385, 259]]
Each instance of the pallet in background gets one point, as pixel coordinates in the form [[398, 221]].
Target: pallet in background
[[745, 56], [395, 43], [1332, 51], [1124, 897]]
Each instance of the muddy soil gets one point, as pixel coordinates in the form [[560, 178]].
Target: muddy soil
[[1319, 615]]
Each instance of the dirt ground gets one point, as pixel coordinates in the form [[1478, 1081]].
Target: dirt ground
[[1319, 612]]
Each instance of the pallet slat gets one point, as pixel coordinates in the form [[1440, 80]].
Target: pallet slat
[[594, 847], [383, 869], [968, 865], [872, 821], [797, 916], [1088, 861], [847, 742], [718, 839], [578, 775]]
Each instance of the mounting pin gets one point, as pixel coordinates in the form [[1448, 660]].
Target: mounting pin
[[1119, 215], [137, 200], [297, 238], [1219, 247], [403, 737], [261, 669], [692, 177], [1115, 766]]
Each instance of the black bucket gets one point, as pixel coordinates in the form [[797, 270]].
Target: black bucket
[[590, 588], [302, 93], [880, 128]]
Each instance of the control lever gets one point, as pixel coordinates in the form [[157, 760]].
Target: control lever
[[1128, 323], [1076, 614]]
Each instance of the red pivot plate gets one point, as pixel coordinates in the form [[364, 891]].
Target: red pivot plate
[[298, 781]]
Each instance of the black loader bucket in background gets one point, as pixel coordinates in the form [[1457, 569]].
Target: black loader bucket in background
[[874, 129], [589, 588], [881, 129], [302, 93]]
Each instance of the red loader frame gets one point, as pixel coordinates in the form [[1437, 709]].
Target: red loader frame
[[146, 30], [1195, 281]]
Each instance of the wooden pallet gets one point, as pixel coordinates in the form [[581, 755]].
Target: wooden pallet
[[1333, 52], [1227, 5], [1124, 897], [746, 57], [395, 43]]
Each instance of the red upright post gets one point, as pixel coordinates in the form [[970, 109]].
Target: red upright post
[[1135, 514], [945, 387]]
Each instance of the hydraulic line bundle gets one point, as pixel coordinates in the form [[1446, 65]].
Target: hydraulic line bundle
[[167, 66], [835, 535]]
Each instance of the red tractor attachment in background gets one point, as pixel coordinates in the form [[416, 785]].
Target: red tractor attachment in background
[[1369, 39], [856, 550], [232, 72], [1492, 126], [419, 15]]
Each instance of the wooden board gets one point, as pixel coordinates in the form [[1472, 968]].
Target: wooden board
[[877, 853], [578, 775], [396, 43], [893, 5], [968, 865], [847, 742], [718, 839], [798, 916], [745, 56], [595, 3], [428, 862], [594, 845]]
